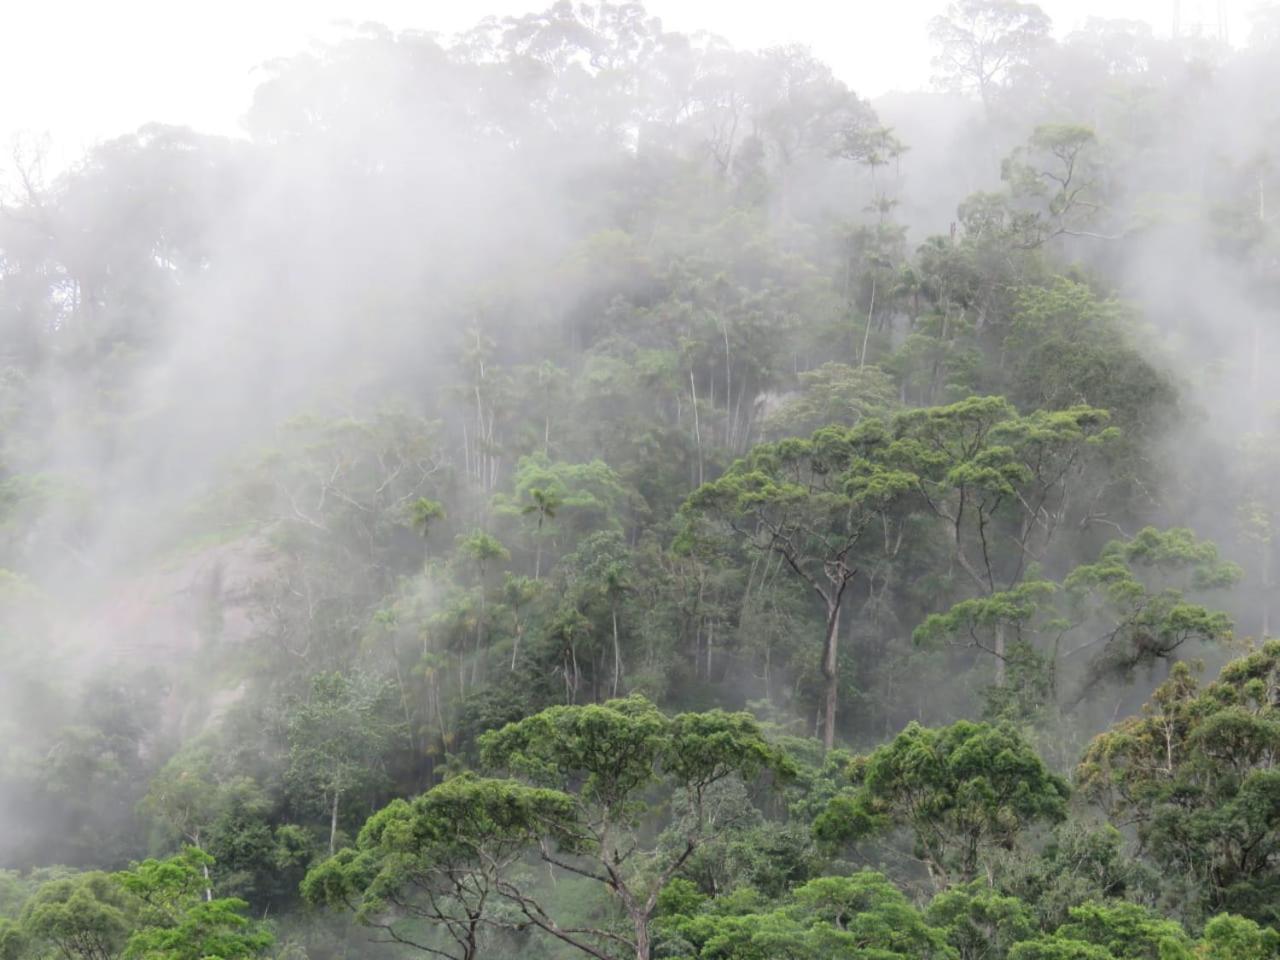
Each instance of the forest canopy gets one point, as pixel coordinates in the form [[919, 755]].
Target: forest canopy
[[579, 489]]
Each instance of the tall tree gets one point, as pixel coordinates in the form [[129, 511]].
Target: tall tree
[[1000, 484], [482, 550], [452, 857], [983, 42], [964, 791], [338, 737], [812, 502], [440, 859], [605, 760], [1196, 776], [175, 922]]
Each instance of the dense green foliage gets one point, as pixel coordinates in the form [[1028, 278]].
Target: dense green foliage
[[579, 489]]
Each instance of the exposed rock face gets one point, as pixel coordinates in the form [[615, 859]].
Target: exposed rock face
[[770, 402], [169, 615]]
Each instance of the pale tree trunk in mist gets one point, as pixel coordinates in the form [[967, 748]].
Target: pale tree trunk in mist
[[830, 652], [697, 427], [728, 384], [404, 696], [866, 334], [480, 624], [999, 651], [617, 653], [838, 579], [204, 867], [1256, 365], [711, 644], [333, 823]]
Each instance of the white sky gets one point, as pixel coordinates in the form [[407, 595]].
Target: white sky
[[79, 71]]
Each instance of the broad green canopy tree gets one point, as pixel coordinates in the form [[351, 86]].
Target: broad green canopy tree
[[1110, 931], [155, 910], [981, 923], [428, 872], [454, 856], [178, 920], [1008, 624], [858, 917], [606, 758], [1228, 937], [1133, 607], [84, 917], [1145, 624], [999, 483], [964, 792], [826, 506], [1195, 775]]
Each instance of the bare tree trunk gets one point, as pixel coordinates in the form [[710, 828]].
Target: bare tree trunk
[[642, 938], [204, 867], [333, 824], [728, 385], [404, 699], [697, 427], [711, 639], [1000, 654], [475, 663], [740, 428], [830, 651], [436, 700], [697, 628], [1256, 365], [617, 653], [480, 430], [866, 334]]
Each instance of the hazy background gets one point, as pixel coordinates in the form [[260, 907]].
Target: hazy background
[[77, 71]]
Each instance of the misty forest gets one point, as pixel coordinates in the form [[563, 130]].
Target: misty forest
[[581, 490]]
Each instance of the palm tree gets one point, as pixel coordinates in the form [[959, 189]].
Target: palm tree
[[423, 513], [545, 504], [481, 547]]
